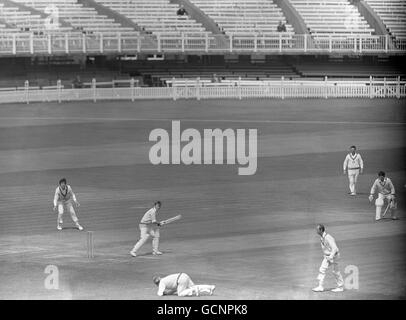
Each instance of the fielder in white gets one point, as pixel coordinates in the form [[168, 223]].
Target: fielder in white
[[386, 190], [182, 285], [63, 200], [331, 256], [353, 165], [149, 226]]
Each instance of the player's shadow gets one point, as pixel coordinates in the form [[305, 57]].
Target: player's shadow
[[149, 254], [386, 219], [70, 228], [358, 194], [329, 289]]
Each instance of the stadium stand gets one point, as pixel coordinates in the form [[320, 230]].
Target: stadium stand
[[210, 27], [130, 44], [47, 72], [346, 70], [392, 14], [15, 74], [332, 17], [82, 18], [158, 74], [155, 16], [244, 16]]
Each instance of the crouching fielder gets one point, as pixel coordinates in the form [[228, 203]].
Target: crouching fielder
[[331, 255], [180, 284], [64, 199], [149, 226], [386, 190]]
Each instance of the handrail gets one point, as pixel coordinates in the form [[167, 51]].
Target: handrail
[[55, 43]]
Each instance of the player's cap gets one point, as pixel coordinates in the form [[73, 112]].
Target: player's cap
[[63, 180], [381, 174]]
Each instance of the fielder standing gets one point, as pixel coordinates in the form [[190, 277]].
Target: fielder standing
[[64, 199], [149, 226], [182, 285], [331, 256], [386, 190], [354, 165]]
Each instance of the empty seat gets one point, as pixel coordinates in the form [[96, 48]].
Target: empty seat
[[329, 17], [393, 15], [154, 16], [244, 16]]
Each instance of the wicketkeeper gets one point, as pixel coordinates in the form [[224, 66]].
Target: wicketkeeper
[[386, 190], [149, 226]]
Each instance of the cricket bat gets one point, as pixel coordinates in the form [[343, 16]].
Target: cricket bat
[[386, 210], [175, 218]]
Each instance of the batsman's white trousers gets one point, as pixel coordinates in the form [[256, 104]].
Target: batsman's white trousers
[[69, 207], [353, 178], [147, 230], [325, 264], [186, 287]]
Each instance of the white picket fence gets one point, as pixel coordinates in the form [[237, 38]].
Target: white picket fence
[[194, 89]]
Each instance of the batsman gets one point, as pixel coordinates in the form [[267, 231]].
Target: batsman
[[149, 226], [384, 186]]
